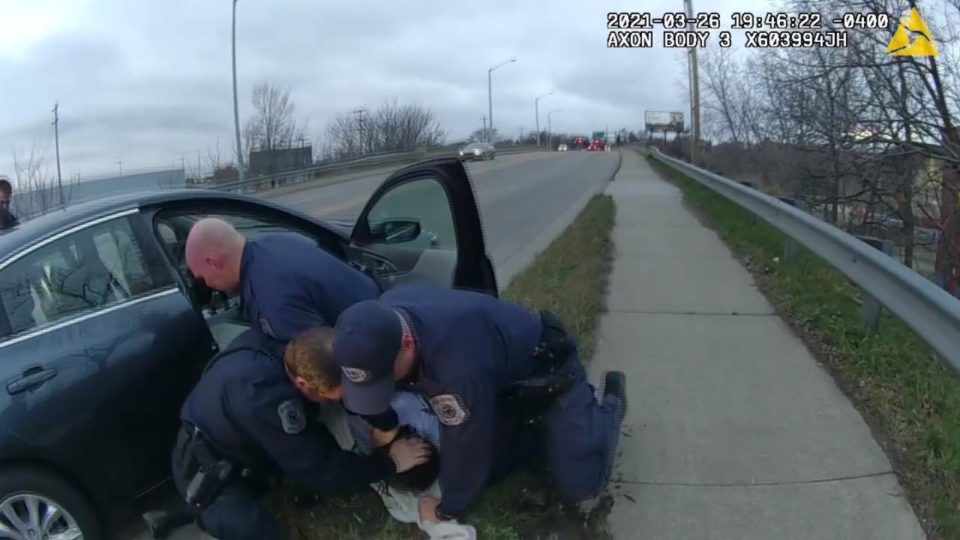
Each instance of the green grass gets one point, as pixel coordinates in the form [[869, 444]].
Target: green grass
[[908, 396], [568, 278]]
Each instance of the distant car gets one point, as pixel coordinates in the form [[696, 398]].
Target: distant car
[[103, 331], [562, 148], [595, 146], [478, 150]]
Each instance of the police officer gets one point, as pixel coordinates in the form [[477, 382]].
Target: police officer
[[460, 349], [286, 282], [7, 219], [245, 423]]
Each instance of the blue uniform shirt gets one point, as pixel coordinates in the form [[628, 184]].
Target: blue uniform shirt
[[289, 284], [471, 345], [250, 412]]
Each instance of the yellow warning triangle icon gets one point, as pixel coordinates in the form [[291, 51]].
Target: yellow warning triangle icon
[[912, 38]]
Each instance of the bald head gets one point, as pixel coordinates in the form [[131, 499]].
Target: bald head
[[213, 253]]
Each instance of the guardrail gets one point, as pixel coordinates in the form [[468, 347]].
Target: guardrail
[[300, 176], [927, 309]]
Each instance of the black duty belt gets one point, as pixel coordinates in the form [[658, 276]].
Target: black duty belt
[[556, 344], [205, 471], [547, 382]]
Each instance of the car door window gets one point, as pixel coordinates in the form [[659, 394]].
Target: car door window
[[173, 228], [423, 201], [93, 268]]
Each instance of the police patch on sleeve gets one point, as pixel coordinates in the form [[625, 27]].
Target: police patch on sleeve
[[265, 326], [449, 409], [355, 375], [292, 417]]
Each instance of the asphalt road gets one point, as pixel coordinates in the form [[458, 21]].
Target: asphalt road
[[520, 195], [525, 201]]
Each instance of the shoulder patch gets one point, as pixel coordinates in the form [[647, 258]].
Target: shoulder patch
[[449, 409], [355, 375], [267, 329], [292, 417]]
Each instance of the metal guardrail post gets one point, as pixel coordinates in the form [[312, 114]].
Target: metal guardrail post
[[871, 309], [791, 249]]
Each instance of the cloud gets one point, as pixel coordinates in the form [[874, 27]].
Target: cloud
[[149, 83]]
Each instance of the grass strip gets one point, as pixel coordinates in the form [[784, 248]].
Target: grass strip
[[910, 399], [568, 278]]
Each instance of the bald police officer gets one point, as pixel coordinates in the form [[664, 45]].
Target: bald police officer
[[245, 422], [287, 283], [460, 349]]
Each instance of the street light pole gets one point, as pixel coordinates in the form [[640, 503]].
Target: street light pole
[[536, 107], [694, 93], [490, 94], [236, 106]]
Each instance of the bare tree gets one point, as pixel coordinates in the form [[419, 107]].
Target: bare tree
[[392, 127], [869, 139], [480, 135], [37, 191], [273, 126]]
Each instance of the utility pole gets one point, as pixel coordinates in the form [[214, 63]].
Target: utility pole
[[694, 90], [56, 138], [359, 112], [490, 94], [485, 126], [536, 107], [236, 106], [120, 164]]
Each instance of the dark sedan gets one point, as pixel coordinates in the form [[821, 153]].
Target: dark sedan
[[479, 151], [103, 332]]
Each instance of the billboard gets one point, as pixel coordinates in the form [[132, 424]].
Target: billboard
[[664, 121]]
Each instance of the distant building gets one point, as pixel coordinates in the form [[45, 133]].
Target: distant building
[[263, 162]]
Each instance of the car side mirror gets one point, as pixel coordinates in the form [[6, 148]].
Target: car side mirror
[[395, 231]]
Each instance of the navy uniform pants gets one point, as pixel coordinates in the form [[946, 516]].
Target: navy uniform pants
[[580, 437], [236, 514]]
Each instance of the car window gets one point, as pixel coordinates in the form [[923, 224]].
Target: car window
[[91, 269], [173, 227], [425, 201]]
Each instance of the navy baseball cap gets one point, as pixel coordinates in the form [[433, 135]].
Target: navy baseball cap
[[366, 344]]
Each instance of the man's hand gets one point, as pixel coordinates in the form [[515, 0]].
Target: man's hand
[[382, 438], [428, 508], [407, 453]]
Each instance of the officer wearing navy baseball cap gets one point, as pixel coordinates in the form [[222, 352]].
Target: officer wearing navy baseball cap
[[462, 350]]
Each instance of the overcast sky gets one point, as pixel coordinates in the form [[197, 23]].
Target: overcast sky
[[149, 82]]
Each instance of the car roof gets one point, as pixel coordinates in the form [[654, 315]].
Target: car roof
[[60, 219]]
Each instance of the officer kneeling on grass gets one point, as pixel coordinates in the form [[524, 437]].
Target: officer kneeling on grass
[[246, 423], [462, 350]]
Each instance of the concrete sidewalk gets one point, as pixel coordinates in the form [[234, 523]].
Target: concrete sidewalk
[[734, 431]]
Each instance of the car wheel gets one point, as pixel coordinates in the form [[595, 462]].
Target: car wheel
[[37, 504]]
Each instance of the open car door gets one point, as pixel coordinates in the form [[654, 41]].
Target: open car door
[[422, 225]]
